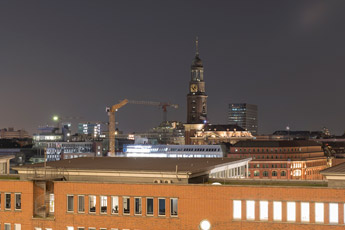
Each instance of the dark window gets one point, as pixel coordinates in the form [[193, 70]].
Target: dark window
[[18, 201], [81, 204], [149, 206], [274, 173], [161, 207], [137, 202], [173, 206], [265, 174], [282, 173], [70, 203], [8, 201]]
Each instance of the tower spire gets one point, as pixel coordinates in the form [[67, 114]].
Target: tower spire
[[197, 46]]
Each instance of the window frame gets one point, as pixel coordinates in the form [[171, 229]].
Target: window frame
[[7, 224], [95, 205], [100, 204], [153, 205], [6, 201], [261, 209], [135, 206], [275, 215], [171, 207], [292, 214], [337, 213], [237, 208], [165, 206], [128, 205], [112, 205], [79, 196], [307, 216], [250, 209], [69, 195], [15, 200]]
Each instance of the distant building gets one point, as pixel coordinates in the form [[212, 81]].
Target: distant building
[[284, 159], [175, 151], [10, 133], [244, 115], [93, 129]]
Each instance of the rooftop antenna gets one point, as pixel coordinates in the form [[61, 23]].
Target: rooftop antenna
[[197, 46]]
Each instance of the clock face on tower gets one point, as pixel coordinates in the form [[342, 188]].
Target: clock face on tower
[[193, 88]]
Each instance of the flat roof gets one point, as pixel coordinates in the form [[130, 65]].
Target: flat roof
[[278, 143], [338, 169], [191, 165]]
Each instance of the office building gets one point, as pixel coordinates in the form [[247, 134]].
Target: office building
[[129, 193], [244, 115], [297, 159]]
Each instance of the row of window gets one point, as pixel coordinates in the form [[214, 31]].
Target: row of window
[[265, 173], [90, 228], [7, 226], [290, 212], [8, 203], [267, 165], [272, 150], [126, 205]]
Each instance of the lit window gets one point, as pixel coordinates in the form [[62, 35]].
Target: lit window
[[263, 210], [333, 213], [319, 212], [104, 204], [137, 203], [305, 212], [81, 204], [161, 207], [149, 206], [126, 205], [92, 204], [250, 210], [69, 228], [70, 203], [173, 206], [291, 211], [114, 205], [277, 210], [17, 226], [18, 200], [237, 209]]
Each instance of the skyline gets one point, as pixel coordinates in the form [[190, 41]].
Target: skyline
[[76, 58]]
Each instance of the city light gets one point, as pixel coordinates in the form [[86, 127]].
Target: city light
[[55, 118]]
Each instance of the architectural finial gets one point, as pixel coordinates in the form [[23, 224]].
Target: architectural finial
[[196, 46]]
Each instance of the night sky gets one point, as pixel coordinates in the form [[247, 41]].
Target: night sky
[[74, 58]]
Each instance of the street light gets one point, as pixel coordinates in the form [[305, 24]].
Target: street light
[[55, 118], [205, 225]]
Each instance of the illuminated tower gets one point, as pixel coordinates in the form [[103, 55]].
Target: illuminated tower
[[196, 98]]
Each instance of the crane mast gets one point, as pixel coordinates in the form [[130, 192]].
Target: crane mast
[[111, 112]]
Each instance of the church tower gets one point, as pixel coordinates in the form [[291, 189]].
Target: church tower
[[197, 98]]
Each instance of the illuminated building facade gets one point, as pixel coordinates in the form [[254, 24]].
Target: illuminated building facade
[[298, 159], [88, 203]]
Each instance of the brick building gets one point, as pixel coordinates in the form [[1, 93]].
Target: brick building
[[298, 159], [87, 203]]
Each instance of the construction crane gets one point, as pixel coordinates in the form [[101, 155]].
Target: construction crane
[[163, 105], [111, 112]]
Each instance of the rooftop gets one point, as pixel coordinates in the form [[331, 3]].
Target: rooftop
[[278, 143], [191, 165], [338, 169]]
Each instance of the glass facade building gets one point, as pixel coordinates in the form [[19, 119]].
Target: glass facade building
[[244, 115]]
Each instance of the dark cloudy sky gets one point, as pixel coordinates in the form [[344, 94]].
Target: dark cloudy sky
[[74, 58]]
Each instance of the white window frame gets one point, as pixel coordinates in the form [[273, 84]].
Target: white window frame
[[335, 213], [237, 209], [264, 210], [6, 201], [112, 205], [322, 212], [171, 207], [95, 204], [277, 211], [305, 212], [70, 228], [79, 203], [100, 204], [250, 210], [153, 205], [7, 224], [15, 201], [69, 195], [165, 206], [128, 205], [141, 206]]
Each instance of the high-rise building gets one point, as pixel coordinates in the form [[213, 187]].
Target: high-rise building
[[197, 98], [244, 115]]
